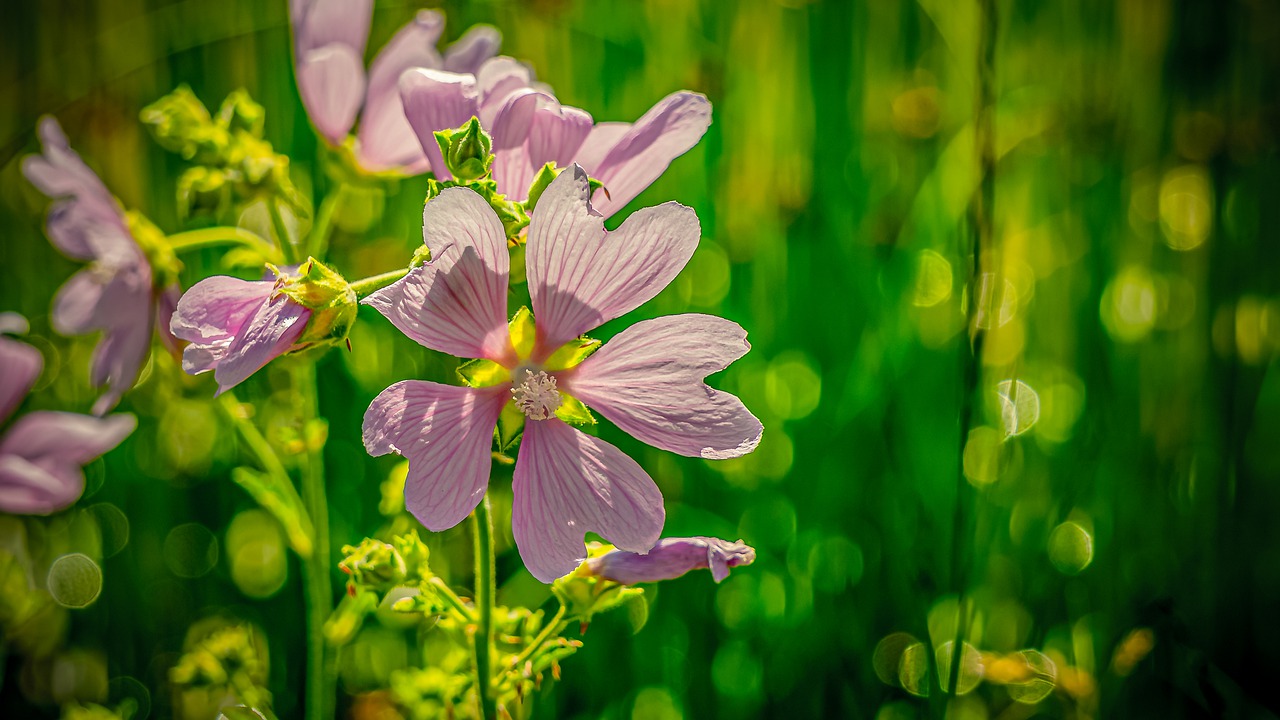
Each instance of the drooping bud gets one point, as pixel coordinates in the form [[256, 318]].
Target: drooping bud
[[467, 150], [373, 564]]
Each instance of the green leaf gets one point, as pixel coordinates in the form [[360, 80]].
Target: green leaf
[[571, 354], [277, 496], [523, 332], [510, 426], [483, 372], [572, 411]]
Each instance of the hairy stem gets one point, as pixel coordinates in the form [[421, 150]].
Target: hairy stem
[[367, 286], [321, 667], [286, 242], [222, 235], [485, 583]]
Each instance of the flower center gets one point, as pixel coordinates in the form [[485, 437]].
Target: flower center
[[536, 396]]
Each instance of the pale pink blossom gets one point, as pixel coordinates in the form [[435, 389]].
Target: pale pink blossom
[[42, 453], [329, 38], [530, 128], [670, 558], [117, 294], [647, 380]]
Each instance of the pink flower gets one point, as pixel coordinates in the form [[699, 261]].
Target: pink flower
[[235, 327], [670, 558], [531, 128], [329, 43], [647, 380], [118, 294], [42, 453]]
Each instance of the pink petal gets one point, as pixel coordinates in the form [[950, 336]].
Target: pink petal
[[445, 432], [326, 22], [118, 359], [51, 438], [60, 172], [664, 133], [598, 143], [672, 557], [557, 133], [568, 483], [477, 45], [496, 80], [457, 303], [647, 380], [513, 172], [216, 308], [579, 278], [27, 488], [386, 138], [331, 82], [435, 100], [166, 301], [20, 365], [271, 332]]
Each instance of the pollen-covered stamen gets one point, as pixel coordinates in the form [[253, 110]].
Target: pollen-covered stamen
[[536, 396]]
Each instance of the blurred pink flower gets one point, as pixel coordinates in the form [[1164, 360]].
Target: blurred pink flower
[[329, 38], [42, 453], [234, 327], [531, 128], [670, 558], [647, 380], [117, 293]]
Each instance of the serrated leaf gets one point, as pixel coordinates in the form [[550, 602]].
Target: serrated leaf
[[482, 372], [571, 354], [277, 496], [572, 411]]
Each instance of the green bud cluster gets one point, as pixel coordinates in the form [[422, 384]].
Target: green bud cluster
[[231, 657], [233, 161]]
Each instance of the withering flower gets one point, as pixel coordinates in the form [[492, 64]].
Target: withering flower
[[670, 558]]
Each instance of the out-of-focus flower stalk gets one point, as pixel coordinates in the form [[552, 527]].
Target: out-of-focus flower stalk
[[485, 590]]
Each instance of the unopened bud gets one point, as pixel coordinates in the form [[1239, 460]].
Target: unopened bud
[[467, 150]]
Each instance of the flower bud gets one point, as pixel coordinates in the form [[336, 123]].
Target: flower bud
[[373, 564], [467, 151]]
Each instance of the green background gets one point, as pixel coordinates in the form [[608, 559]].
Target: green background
[[1131, 222]]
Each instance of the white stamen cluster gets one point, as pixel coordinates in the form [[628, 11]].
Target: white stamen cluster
[[536, 396]]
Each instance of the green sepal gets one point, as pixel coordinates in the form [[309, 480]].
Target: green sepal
[[523, 333], [571, 354], [540, 183], [467, 150], [572, 411], [510, 426], [277, 496], [482, 372], [322, 290]]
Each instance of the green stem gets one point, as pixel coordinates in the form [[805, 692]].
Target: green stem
[[554, 627], [222, 235], [441, 587], [318, 241], [485, 583], [283, 239], [321, 665], [367, 286], [252, 437]]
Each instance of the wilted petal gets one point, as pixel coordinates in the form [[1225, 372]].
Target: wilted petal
[[477, 44], [67, 438], [457, 303], [386, 138], [331, 82], [647, 380], [271, 332], [568, 483], [672, 557], [435, 100], [445, 433], [579, 279], [20, 365], [325, 22], [664, 133]]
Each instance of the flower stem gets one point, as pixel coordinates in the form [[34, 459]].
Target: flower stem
[[283, 239], [321, 666], [318, 241], [222, 235], [485, 583], [556, 625], [367, 286]]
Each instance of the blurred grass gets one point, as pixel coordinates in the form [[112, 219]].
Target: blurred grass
[[1136, 145]]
